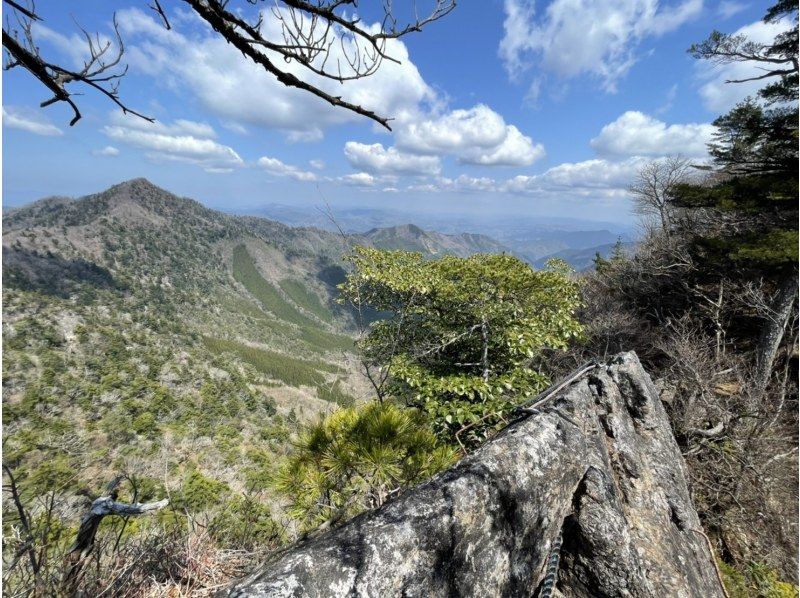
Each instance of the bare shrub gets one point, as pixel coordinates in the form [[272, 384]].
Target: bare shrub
[[697, 333], [170, 554]]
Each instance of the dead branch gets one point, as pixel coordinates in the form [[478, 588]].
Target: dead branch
[[85, 540]]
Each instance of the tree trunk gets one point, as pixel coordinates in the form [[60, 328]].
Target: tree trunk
[[772, 333], [590, 487], [485, 352]]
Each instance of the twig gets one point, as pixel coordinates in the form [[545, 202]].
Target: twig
[[713, 561]]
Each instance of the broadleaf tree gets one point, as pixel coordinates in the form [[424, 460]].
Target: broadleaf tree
[[462, 337]]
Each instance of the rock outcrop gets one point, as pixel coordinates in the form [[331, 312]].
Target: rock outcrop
[[595, 470]]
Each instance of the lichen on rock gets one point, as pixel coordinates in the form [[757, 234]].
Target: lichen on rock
[[597, 464]]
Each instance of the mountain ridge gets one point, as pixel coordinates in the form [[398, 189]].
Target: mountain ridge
[[132, 195]]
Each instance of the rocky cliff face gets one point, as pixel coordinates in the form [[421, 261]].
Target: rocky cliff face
[[594, 477]]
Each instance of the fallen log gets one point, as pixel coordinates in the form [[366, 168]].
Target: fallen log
[[590, 486]]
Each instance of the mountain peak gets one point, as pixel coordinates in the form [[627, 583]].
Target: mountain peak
[[139, 184]]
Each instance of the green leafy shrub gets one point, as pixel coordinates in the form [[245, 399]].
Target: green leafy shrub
[[755, 581], [199, 493], [145, 424]]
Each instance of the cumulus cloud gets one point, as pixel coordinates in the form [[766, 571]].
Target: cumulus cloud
[[359, 179], [181, 141], [637, 134], [719, 96], [595, 37], [376, 159], [108, 151], [278, 168], [318, 164], [240, 92], [453, 132], [598, 177], [30, 120], [468, 183], [475, 136], [515, 150]]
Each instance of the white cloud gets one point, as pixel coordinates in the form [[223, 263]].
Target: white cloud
[[318, 164], [278, 168], [727, 8], [359, 179], [637, 134], [181, 141], [515, 150], [669, 100], [74, 47], [376, 158], [719, 96], [595, 37], [108, 151], [468, 183], [598, 178], [453, 132], [424, 188], [476, 136], [30, 120], [235, 127], [240, 92], [464, 183], [180, 126]]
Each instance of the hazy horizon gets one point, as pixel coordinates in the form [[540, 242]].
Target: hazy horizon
[[532, 128]]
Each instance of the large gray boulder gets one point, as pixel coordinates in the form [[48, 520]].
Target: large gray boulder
[[596, 469]]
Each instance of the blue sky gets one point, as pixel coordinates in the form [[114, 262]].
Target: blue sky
[[519, 106]]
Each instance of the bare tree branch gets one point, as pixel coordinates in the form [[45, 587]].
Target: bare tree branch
[[156, 6], [653, 187], [324, 36], [28, 544], [100, 70]]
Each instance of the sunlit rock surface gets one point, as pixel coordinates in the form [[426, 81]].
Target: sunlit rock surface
[[598, 464]]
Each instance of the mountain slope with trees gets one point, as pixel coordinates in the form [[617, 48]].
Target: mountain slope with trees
[[147, 334]]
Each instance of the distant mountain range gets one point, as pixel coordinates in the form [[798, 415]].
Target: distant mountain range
[[143, 328], [532, 239], [410, 237]]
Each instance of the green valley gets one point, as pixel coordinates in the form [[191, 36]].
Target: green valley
[[149, 335]]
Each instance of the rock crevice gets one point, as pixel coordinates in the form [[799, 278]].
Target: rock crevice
[[597, 468]]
